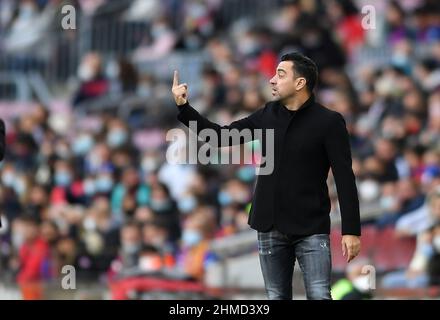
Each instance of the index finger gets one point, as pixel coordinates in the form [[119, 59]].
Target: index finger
[[350, 254], [176, 78]]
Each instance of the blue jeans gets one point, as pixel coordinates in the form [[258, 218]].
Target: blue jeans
[[278, 253]]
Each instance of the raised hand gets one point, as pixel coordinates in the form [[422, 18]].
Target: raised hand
[[180, 91]]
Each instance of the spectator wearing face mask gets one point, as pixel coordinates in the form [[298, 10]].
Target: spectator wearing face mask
[[356, 285], [162, 41], [406, 198], [195, 255], [416, 276], [122, 76], [128, 257], [165, 208], [234, 191], [67, 186], [98, 159], [157, 235], [10, 195], [93, 84], [117, 134], [130, 189]]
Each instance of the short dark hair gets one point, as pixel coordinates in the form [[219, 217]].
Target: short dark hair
[[304, 67]]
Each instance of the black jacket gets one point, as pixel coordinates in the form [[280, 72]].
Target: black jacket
[[294, 198], [2, 147], [2, 139]]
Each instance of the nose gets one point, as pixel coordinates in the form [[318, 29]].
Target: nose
[[273, 81]]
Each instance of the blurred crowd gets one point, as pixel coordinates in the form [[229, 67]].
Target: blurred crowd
[[94, 190]]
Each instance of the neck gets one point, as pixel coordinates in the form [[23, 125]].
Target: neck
[[294, 103]]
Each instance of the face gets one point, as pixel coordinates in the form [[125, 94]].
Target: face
[[130, 235], [31, 231], [285, 84]]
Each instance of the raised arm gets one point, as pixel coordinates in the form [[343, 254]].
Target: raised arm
[[244, 128]]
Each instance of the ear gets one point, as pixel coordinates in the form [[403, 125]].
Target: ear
[[301, 83]]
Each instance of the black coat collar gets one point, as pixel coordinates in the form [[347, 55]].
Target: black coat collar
[[309, 102]]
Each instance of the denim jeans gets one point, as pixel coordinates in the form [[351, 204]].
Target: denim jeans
[[278, 253]]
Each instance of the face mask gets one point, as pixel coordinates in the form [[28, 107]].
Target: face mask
[[63, 152], [19, 186], [149, 263], [17, 239], [85, 73], [191, 238], [144, 91], [246, 174], [160, 205], [26, 11], [149, 164], [369, 190], [249, 46], [89, 187], [89, 224], [112, 71], [104, 184], [436, 243], [158, 242], [224, 198], [400, 60], [95, 160], [130, 248], [116, 138], [62, 178], [385, 86], [187, 204], [387, 202], [362, 283], [8, 179], [82, 145]]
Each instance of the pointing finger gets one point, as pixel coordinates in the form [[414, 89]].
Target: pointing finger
[[176, 78]]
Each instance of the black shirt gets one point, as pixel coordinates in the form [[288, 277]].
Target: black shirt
[[294, 198]]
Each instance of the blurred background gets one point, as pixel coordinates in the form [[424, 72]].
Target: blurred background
[[85, 182]]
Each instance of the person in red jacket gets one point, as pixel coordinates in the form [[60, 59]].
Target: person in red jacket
[[33, 258]]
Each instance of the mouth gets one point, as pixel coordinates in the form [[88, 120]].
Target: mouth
[[274, 91]]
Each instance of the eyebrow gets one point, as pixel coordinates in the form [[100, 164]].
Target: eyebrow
[[281, 70]]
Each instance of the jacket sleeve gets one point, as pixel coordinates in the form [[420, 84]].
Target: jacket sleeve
[[244, 128], [2, 140], [337, 145]]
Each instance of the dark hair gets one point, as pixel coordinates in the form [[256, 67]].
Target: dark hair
[[304, 67]]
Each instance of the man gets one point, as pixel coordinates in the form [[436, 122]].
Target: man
[[291, 206]]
